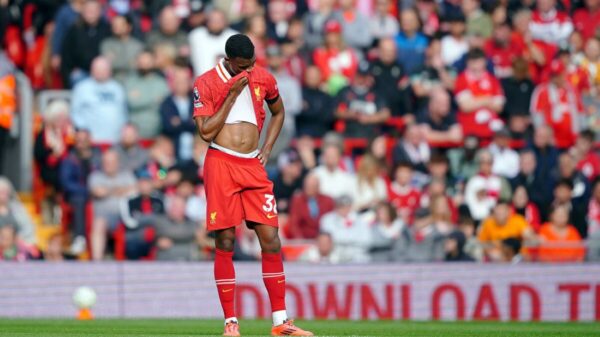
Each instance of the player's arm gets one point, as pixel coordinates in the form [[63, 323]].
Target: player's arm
[[275, 125], [210, 126]]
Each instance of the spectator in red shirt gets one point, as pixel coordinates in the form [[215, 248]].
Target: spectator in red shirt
[[307, 207], [549, 24], [402, 194], [588, 161], [480, 98], [587, 19], [334, 58], [523, 206], [503, 50]]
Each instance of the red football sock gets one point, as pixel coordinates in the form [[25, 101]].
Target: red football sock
[[225, 279], [274, 278]]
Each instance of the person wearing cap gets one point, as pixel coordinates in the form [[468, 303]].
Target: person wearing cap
[[334, 58], [454, 45], [502, 224], [421, 242], [506, 160], [350, 232], [361, 109], [557, 104], [355, 25]]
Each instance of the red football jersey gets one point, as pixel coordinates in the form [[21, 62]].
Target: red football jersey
[[212, 87], [405, 199]]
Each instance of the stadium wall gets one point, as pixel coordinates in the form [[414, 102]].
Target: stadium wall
[[418, 292]]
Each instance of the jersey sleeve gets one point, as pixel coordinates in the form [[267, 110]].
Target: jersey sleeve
[[271, 89], [203, 99]]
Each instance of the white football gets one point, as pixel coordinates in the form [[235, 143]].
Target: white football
[[84, 297]]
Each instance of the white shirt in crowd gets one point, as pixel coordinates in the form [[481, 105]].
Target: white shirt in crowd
[[336, 183], [206, 48], [506, 161], [351, 236], [366, 195], [453, 49], [481, 195]]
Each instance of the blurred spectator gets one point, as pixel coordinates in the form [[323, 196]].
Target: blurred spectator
[[195, 199], [483, 190], [463, 161], [315, 22], [256, 30], [66, 16], [438, 122], [278, 16], [306, 209], [355, 25], [249, 10], [478, 22], [121, 48], [421, 242], [560, 241], [593, 213], [11, 249], [402, 194], [382, 24], [590, 60], [454, 248], [145, 91], [387, 228], [289, 179], [316, 117], [546, 168], [522, 206], [162, 159], [131, 155], [8, 101], [411, 42], [176, 114], [472, 246], [511, 251], [519, 87], [74, 172], [412, 148], [500, 225], [580, 193], [503, 50], [337, 62], [294, 50], [50, 148], [441, 215], [208, 43], [193, 168], [176, 234], [350, 232], [454, 45], [108, 187], [506, 160], [479, 97], [81, 44], [13, 214], [587, 19], [321, 252], [391, 82], [369, 187], [361, 108], [584, 154], [556, 103], [98, 104], [168, 32], [334, 182], [549, 24], [54, 250]]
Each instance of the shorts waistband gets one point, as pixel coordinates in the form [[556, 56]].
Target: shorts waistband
[[214, 152], [250, 155]]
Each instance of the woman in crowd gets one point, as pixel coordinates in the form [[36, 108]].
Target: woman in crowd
[[560, 241]]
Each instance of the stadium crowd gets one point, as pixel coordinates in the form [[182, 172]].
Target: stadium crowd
[[416, 131]]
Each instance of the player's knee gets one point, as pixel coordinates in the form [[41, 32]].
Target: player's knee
[[271, 245], [225, 244]]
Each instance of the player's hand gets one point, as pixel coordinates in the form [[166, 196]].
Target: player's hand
[[238, 86], [263, 156]]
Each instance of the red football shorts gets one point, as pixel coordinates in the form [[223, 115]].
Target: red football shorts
[[237, 189]]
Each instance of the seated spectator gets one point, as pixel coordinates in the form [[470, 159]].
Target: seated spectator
[[289, 179], [195, 200], [441, 214], [12, 213], [50, 148], [131, 155], [500, 225], [321, 252], [484, 189], [81, 44], [369, 186], [8, 101], [355, 25], [593, 210], [334, 182], [278, 18], [256, 29], [139, 212], [438, 122], [472, 246], [560, 241], [511, 251], [538, 190], [306, 209], [506, 160], [168, 32], [54, 250], [11, 249], [478, 22], [387, 228], [523, 206], [108, 187], [145, 92], [519, 87], [420, 242], [391, 81], [479, 97], [587, 159], [65, 17], [557, 104], [350, 232], [316, 117], [463, 161], [550, 25], [382, 24], [503, 50], [454, 247], [176, 234], [580, 194], [207, 43], [586, 19], [337, 62], [176, 114], [74, 173], [121, 49], [193, 168], [315, 21], [411, 42], [413, 149], [438, 169], [98, 104], [402, 193], [161, 160], [454, 45]]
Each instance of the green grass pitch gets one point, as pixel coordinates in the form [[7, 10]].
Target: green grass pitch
[[193, 328]]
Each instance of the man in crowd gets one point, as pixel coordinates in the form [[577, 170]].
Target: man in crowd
[[316, 117], [307, 209], [131, 155], [168, 32], [334, 181], [121, 48], [207, 43]]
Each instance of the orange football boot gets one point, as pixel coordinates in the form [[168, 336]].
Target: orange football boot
[[232, 329], [289, 329]]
